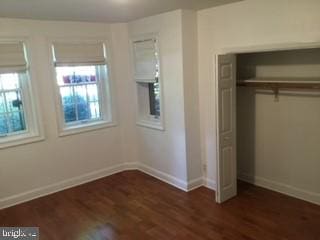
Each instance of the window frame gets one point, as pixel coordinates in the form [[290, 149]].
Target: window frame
[[105, 91], [34, 129], [146, 119]]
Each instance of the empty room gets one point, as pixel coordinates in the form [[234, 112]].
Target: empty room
[[160, 119]]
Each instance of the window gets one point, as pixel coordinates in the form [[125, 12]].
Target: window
[[79, 93], [18, 123], [12, 118], [148, 81], [83, 87]]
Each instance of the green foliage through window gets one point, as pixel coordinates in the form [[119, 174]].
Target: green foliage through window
[[75, 112]]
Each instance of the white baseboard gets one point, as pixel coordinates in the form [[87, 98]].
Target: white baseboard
[[194, 184], [210, 183], [89, 177], [57, 187], [164, 177], [292, 191], [178, 183], [131, 166]]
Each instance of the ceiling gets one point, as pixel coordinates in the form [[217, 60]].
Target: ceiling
[[98, 10]]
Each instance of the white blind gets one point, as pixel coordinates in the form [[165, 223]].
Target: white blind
[[145, 60], [12, 57], [79, 54]]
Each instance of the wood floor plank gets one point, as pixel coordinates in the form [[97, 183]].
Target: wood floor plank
[[134, 206]]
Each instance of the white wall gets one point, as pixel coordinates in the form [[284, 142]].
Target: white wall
[[29, 170], [165, 151], [125, 92], [191, 91], [245, 24], [174, 154]]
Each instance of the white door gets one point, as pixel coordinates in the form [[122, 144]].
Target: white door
[[226, 111]]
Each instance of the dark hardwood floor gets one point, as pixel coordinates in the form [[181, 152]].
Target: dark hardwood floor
[[134, 206]]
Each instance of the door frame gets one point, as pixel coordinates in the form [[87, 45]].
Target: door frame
[[241, 50]]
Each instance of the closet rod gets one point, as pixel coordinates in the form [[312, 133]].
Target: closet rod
[[312, 85], [275, 86]]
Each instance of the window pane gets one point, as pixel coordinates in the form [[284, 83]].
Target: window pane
[[66, 95], [154, 99], [3, 125], [12, 117], [95, 110], [82, 103], [14, 102], [17, 121], [2, 104], [69, 113], [79, 92], [92, 92], [74, 75], [9, 81], [157, 98], [83, 110]]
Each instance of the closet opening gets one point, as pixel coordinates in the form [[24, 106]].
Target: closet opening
[[269, 102]]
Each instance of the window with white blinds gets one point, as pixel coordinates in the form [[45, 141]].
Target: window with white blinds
[[145, 60], [148, 82], [83, 86], [79, 54], [12, 58], [18, 121]]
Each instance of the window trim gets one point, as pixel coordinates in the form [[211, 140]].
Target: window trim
[[107, 99], [149, 121], [35, 130]]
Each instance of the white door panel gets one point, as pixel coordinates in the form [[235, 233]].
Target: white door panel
[[227, 176], [226, 156], [226, 108]]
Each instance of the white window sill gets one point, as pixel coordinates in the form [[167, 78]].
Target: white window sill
[[81, 128], [151, 123], [13, 141]]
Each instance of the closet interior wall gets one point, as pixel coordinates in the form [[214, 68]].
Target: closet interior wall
[[278, 139]]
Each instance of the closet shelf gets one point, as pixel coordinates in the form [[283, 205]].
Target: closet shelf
[[278, 83]]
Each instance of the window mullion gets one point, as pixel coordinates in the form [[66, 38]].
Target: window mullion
[[6, 113], [75, 103], [88, 103], [11, 90], [80, 84]]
